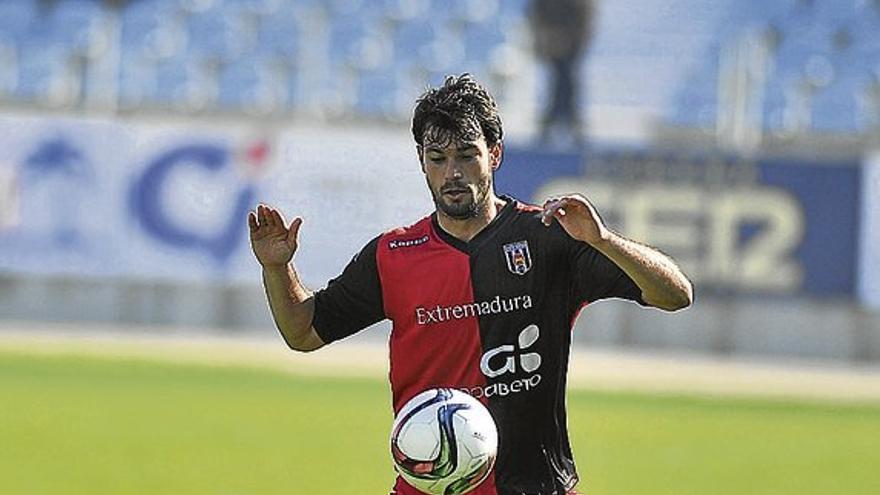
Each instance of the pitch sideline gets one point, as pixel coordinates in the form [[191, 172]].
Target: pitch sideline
[[608, 370]]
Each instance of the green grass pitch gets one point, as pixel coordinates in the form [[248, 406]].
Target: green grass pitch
[[77, 425]]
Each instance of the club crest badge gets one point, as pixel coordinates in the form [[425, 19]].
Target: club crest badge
[[519, 260]]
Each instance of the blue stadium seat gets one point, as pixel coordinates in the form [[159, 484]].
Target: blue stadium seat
[[279, 35], [70, 22], [239, 83], [696, 109], [479, 39], [216, 32], [800, 43], [834, 11], [39, 67], [835, 108], [139, 18], [346, 31], [774, 105], [172, 76], [16, 17], [377, 94], [153, 27], [136, 82], [410, 37], [865, 28]]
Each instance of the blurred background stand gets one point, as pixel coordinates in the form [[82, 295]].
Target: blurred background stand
[[739, 136]]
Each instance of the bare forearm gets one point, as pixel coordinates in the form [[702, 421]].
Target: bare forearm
[[662, 282], [292, 307]]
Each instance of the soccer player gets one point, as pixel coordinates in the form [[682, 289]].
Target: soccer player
[[482, 293]]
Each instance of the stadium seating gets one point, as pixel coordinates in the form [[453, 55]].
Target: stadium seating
[[362, 57], [199, 54], [821, 59]]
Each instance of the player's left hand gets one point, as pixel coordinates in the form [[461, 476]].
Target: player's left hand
[[577, 216]]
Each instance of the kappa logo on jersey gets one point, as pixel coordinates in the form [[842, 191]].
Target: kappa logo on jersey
[[401, 243], [519, 260]]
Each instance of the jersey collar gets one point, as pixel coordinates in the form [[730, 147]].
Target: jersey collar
[[474, 244]]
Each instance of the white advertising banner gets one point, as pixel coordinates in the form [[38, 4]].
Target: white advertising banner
[[869, 246], [157, 201]]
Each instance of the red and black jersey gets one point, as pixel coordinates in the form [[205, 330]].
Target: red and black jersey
[[491, 316]]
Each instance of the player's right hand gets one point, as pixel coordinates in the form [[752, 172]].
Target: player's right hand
[[272, 240]]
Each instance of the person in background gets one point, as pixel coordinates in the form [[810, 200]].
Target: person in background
[[561, 30]]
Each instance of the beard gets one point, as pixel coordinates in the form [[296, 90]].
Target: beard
[[474, 202]]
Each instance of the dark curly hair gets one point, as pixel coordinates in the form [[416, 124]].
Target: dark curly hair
[[461, 107]]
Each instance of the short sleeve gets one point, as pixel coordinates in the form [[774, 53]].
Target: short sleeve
[[596, 277], [353, 300]]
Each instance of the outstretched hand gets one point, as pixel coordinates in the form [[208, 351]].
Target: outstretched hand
[[577, 216], [272, 240]]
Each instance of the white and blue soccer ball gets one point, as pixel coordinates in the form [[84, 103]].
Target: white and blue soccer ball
[[444, 442]]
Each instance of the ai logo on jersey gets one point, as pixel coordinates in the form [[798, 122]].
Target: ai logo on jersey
[[509, 359], [519, 261], [528, 361]]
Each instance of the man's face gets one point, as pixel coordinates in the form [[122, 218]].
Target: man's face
[[458, 169]]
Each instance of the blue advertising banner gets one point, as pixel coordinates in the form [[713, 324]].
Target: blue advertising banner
[[781, 226], [102, 198], [98, 198]]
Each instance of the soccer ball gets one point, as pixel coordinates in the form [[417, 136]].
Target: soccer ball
[[444, 442]]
